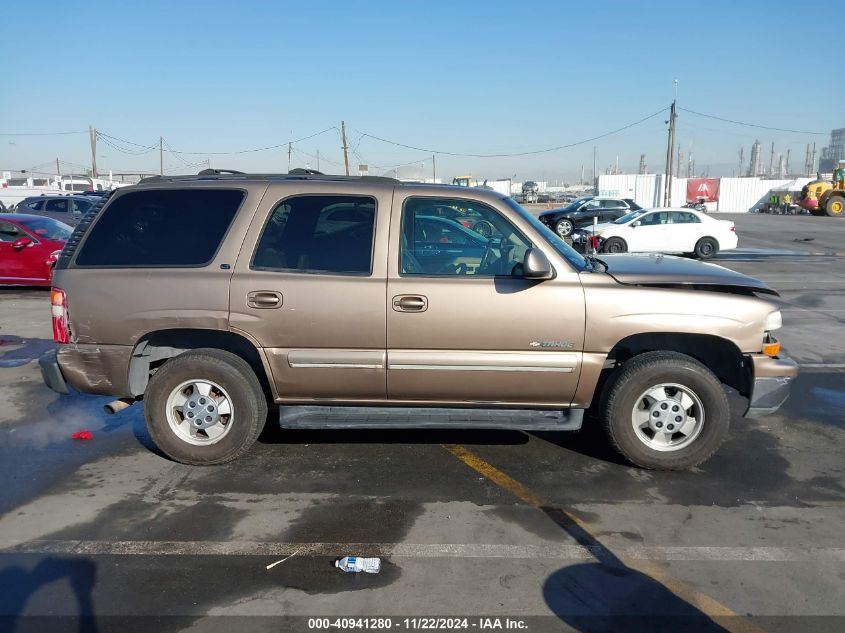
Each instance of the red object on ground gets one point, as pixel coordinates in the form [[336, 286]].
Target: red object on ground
[[81, 435], [594, 242]]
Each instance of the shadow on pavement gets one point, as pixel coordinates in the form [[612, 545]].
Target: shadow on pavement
[[608, 596], [19, 585]]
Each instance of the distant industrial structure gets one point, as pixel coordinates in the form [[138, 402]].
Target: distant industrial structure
[[754, 166], [833, 153]]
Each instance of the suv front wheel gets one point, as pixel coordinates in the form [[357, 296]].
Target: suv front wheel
[[665, 411], [204, 407]]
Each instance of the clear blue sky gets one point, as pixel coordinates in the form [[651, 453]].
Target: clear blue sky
[[471, 77]]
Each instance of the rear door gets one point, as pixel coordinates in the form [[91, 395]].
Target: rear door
[[683, 232], [309, 288], [472, 330], [58, 209], [610, 210]]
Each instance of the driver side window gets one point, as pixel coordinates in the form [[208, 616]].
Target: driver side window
[[471, 239]]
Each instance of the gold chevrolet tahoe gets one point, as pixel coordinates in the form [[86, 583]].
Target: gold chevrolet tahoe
[[346, 302]]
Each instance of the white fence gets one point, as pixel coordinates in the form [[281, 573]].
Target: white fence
[[736, 195]]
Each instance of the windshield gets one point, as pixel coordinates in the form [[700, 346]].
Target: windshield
[[47, 229], [563, 249], [628, 217]]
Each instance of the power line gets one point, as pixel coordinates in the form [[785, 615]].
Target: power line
[[41, 133], [762, 127], [512, 154], [243, 151]]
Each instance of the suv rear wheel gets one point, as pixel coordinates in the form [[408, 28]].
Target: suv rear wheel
[[205, 407], [665, 411]]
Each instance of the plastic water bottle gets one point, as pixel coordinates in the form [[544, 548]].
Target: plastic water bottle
[[356, 564]]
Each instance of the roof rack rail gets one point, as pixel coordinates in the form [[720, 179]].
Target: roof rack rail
[[298, 173], [217, 172]]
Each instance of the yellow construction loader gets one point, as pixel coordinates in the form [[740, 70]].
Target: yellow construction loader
[[822, 197]]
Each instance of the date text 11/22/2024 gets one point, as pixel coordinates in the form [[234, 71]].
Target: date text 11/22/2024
[[419, 623]]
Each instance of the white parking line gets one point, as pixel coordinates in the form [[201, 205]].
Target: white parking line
[[561, 551], [823, 365]]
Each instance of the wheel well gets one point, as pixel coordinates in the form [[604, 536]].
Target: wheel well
[[156, 348], [719, 355]]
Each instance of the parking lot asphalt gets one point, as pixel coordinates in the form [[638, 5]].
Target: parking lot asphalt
[[552, 530]]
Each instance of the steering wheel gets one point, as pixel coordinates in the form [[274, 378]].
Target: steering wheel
[[485, 258]]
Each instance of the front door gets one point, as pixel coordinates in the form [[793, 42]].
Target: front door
[[465, 326], [309, 287], [15, 263], [651, 234]]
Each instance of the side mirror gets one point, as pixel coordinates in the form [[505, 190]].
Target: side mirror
[[635, 224], [22, 243], [535, 265]]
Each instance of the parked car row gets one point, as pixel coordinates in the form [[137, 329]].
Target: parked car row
[[582, 211], [64, 208]]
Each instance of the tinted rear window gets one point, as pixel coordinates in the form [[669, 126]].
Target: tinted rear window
[[161, 228]]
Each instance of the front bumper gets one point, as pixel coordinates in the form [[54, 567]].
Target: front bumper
[[771, 380]]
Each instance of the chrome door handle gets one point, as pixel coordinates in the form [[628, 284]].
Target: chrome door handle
[[410, 303], [264, 299]]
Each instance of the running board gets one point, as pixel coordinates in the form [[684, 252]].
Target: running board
[[334, 417]]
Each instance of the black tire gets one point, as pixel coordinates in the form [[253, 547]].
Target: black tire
[[614, 245], [564, 227], [835, 206], [706, 248], [621, 395], [236, 377]]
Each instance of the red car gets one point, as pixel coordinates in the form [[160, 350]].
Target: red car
[[29, 248]]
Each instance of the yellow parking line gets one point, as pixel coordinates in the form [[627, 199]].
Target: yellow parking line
[[725, 617]]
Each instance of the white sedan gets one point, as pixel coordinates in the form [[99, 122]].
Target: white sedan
[[664, 231]]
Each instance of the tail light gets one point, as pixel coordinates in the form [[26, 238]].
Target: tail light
[[58, 307]]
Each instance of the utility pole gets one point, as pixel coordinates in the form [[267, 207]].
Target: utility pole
[[161, 156], [787, 163], [667, 191], [741, 160], [318, 160], [289, 149], [345, 148], [595, 175], [582, 174], [58, 172], [807, 161], [93, 133], [642, 169], [616, 170], [433, 168]]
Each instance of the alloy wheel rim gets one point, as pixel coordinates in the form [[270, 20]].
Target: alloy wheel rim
[[667, 417], [199, 412], [564, 228]]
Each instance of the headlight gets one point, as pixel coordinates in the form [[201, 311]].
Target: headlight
[[773, 322]]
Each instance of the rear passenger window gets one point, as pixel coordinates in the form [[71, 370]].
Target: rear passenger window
[[173, 227], [319, 234]]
